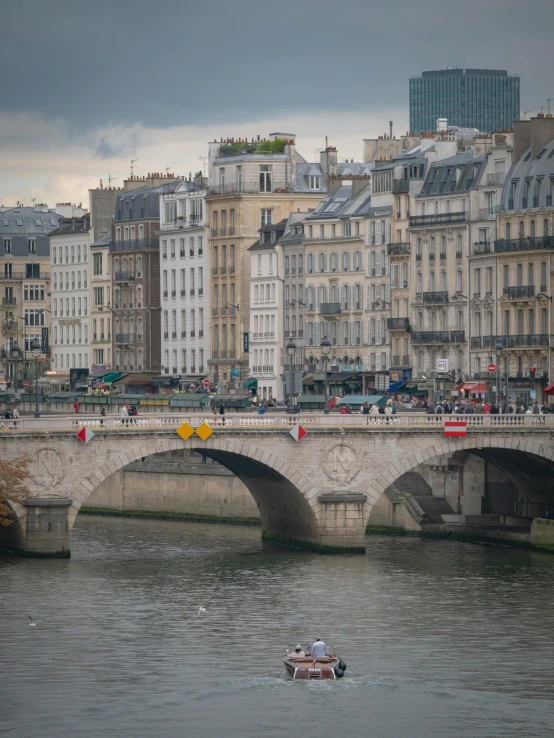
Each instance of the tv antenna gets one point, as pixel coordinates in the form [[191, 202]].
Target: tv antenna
[[529, 111], [204, 159], [132, 166]]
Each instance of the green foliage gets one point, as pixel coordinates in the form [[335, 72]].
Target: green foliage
[[264, 147]]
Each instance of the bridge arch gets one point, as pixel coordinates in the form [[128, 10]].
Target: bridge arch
[[287, 500], [484, 443]]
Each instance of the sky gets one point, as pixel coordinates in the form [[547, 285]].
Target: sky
[[89, 85]]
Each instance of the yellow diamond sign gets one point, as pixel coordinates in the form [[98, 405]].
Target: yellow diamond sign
[[185, 431], [204, 431]]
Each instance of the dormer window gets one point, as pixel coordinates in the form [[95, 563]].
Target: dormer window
[[315, 182]]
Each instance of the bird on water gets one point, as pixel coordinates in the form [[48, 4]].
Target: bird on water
[[32, 624]]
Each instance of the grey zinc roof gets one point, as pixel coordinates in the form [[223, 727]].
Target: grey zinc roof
[[441, 177], [103, 241], [80, 224], [25, 221], [144, 202], [278, 227], [341, 204], [536, 176], [305, 169]]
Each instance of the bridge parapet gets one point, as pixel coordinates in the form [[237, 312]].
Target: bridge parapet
[[401, 421]]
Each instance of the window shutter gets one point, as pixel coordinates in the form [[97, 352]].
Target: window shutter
[[324, 262], [377, 331], [378, 361], [378, 231], [348, 260], [348, 297], [325, 294], [387, 360], [317, 334], [377, 263]]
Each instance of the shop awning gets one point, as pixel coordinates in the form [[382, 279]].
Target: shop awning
[[339, 377], [129, 379], [251, 383], [395, 386], [549, 390], [359, 400], [165, 380], [475, 388]]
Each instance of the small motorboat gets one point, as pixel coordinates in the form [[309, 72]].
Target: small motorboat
[[302, 666]]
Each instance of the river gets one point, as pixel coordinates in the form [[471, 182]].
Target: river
[[441, 638]]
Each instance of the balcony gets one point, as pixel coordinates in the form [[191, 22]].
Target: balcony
[[137, 245], [249, 187], [398, 249], [487, 213], [223, 269], [476, 342], [534, 340], [330, 308], [263, 336], [215, 270], [524, 244], [431, 298], [483, 247], [400, 186], [8, 301], [126, 338], [267, 369], [183, 293], [20, 276], [215, 311], [457, 336], [519, 293], [183, 334], [124, 276], [173, 334], [431, 337], [496, 178], [398, 324], [419, 221]]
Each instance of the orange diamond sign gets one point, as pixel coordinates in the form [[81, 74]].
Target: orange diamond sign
[[185, 431], [204, 431]]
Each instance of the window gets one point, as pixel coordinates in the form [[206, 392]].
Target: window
[[32, 245], [8, 273], [98, 296], [265, 178], [266, 216], [8, 246], [346, 228], [34, 317], [97, 263], [32, 271], [315, 182]]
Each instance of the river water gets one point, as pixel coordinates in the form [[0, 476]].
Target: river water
[[440, 638]]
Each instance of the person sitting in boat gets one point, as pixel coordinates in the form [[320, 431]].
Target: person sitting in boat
[[318, 649], [298, 652]]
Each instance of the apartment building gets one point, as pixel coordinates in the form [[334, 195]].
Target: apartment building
[[252, 184], [334, 243], [292, 245], [135, 254], [266, 312], [101, 303], [522, 327], [25, 276], [185, 293], [70, 272]]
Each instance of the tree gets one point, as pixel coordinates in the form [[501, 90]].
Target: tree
[[12, 488]]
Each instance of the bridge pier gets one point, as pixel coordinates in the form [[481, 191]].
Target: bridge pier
[[46, 527]]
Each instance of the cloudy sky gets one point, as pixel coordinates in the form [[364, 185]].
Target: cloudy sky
[[88, 85]]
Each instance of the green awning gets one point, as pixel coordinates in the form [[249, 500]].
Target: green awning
[[251, 383]]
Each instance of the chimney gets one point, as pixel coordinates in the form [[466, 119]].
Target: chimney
[[328, 161], [522, 137], [390, 126], [358, 184], [542, 131]]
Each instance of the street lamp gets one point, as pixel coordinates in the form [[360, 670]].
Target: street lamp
[[499, 345], [36, 351], [325, 350], [15, 355], [291, 350]]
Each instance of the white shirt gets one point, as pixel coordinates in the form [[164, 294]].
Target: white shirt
[[318, 650]]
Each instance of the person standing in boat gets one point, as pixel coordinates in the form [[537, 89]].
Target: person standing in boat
[[318, 649]]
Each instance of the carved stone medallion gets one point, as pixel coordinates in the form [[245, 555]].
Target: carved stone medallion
[[341, 463], [49, 469]]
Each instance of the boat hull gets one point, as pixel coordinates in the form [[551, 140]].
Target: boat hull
[[305, 669]]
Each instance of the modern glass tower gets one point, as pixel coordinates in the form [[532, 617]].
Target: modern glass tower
[[486, 99]]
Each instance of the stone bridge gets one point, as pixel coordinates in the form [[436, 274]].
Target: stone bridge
[[317, 493]]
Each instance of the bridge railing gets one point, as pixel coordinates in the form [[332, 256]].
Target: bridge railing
[[411, 421]]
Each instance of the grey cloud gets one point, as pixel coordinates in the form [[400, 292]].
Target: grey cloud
[[119, 142], [179, 62]]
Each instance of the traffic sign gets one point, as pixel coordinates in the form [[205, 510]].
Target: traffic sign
[[206, 383], [491, 368], [85, 434], [25, 384], [298, 432]]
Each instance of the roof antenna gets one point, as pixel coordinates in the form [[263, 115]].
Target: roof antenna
[[326, 142], [132, 166]]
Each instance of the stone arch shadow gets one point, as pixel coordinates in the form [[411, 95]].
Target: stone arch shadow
[[484, 446], [287, 500]]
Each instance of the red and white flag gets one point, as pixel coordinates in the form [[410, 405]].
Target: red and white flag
[[85, 434], [455, 428], [298, 432]]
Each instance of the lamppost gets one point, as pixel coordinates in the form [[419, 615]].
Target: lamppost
[[325, 346], [36, 351], [291, 350], [15, 355], [498, 347]]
